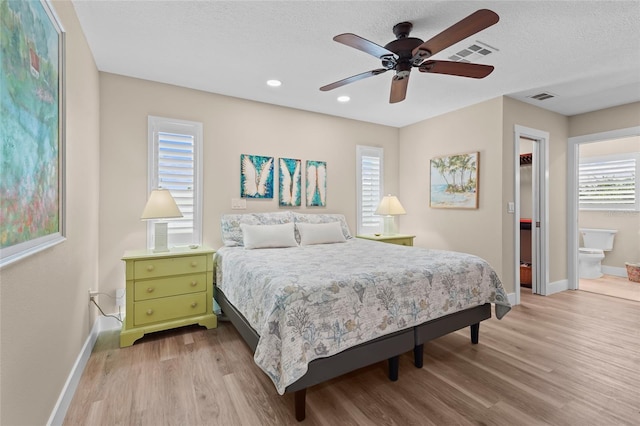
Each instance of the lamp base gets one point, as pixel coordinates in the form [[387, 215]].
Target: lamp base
[[389, 225], [160, 237]]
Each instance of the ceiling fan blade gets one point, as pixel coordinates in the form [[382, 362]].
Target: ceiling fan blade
[[477, 21], [353, 78], [398, 89], [363, 44], [462, 69]]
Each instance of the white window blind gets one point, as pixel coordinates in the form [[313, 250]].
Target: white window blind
[[175, 164], [610, 182], [370, 184]]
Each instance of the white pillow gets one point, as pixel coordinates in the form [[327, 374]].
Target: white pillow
[[268, 236], [320, 233]]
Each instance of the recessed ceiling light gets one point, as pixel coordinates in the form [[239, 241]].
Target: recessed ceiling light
[[274, 83], [343, 99]]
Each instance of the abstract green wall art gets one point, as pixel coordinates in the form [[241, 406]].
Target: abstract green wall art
[[31, 129], [256, 176], [290, 182]]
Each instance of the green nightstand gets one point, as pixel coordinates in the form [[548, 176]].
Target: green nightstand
[[400, 239], [167, 290]]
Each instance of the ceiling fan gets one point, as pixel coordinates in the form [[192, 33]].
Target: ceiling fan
[[406, 52]]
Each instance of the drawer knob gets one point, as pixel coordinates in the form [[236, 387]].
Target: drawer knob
[[194, 304], [150, 268], [150, 290], [150, 312], [194, 283], [194, 264]]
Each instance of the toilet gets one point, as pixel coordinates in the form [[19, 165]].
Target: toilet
[[595, 243]]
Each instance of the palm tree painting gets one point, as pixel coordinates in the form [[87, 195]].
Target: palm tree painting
[[454, 181]]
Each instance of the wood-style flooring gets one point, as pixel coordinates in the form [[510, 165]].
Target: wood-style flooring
[[612, 286], [572, 358]]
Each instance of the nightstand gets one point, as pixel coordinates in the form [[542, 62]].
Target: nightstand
[[167, 290], [400, 239]]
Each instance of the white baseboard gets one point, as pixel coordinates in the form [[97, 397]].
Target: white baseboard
[[512, 298], [612, 270], [557, 287], [69, 389]]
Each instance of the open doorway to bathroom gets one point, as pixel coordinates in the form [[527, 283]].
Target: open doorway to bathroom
[[617, 213]]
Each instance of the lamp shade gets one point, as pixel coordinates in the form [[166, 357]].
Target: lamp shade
[[390, 206], [160, 205]]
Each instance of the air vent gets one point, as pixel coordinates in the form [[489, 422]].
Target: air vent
[[542, 96], [473, 53]]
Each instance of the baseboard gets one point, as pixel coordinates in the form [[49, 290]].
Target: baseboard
[[557, 287], [69, 389], [612, 270], [512, 298]]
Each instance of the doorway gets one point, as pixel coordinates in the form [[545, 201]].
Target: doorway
[[539, 208], [572, 194]]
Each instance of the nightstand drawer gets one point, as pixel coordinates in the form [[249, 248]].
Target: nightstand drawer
[[170, 286], [169, 266], [401, 241], [169, 308]]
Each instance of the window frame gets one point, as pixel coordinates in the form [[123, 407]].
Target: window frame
[[158, 125], [361, 152], [611, 206]]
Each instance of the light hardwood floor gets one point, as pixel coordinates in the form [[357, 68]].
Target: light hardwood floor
[[572, 358], [612, 286]]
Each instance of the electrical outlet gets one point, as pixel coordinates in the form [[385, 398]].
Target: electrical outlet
[[92, 293], [120, 297]]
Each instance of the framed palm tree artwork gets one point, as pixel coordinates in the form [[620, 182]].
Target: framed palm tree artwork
[[454, 181]]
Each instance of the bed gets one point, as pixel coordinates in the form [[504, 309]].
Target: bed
[[314, 303]]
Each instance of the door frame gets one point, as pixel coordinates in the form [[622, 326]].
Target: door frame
[[540, 256], [573, 158]]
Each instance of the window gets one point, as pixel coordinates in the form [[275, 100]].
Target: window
[[175, 163], [610, 182], [370, 184]]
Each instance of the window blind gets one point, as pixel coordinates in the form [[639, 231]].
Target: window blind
[[370, 185], [609, 183], [175, 164]]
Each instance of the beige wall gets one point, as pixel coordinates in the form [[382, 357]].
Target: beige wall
[[523, 114], [626, 245], [44, 308], [615, 118], [231, 127], [475, 128]]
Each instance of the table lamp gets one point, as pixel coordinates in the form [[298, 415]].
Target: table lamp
[[389, 207], [161, 205]]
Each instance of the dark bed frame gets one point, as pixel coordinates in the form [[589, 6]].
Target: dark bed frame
[[388, 347]]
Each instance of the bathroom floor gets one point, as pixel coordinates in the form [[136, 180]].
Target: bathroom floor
[[610, 285]]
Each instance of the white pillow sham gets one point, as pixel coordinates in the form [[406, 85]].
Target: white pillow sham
[[268, 236], [320, 233]]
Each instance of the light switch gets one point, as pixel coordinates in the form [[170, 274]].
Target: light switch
[[511, 207], [238, 203]]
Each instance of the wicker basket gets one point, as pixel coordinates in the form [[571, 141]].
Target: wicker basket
[[633, 271], [525, 275]]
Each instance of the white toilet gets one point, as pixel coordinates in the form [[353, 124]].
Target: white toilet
[[596, 242]]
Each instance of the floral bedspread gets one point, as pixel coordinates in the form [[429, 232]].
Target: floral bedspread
[[314, 301]]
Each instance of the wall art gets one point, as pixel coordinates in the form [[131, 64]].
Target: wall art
[[256, 176], [32, 136], [290, 182], [454, 181], [316, 183]]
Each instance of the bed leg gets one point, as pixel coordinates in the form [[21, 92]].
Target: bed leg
[[417, 355], [475, 333], [394, 366], [300, 397]]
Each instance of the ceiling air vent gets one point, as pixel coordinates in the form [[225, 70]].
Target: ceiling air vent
[[473, 53], [542, 96]]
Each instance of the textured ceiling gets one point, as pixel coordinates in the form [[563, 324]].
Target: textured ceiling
[[587, 53]]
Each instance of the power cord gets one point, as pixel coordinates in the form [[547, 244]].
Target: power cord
[[100, 309]]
